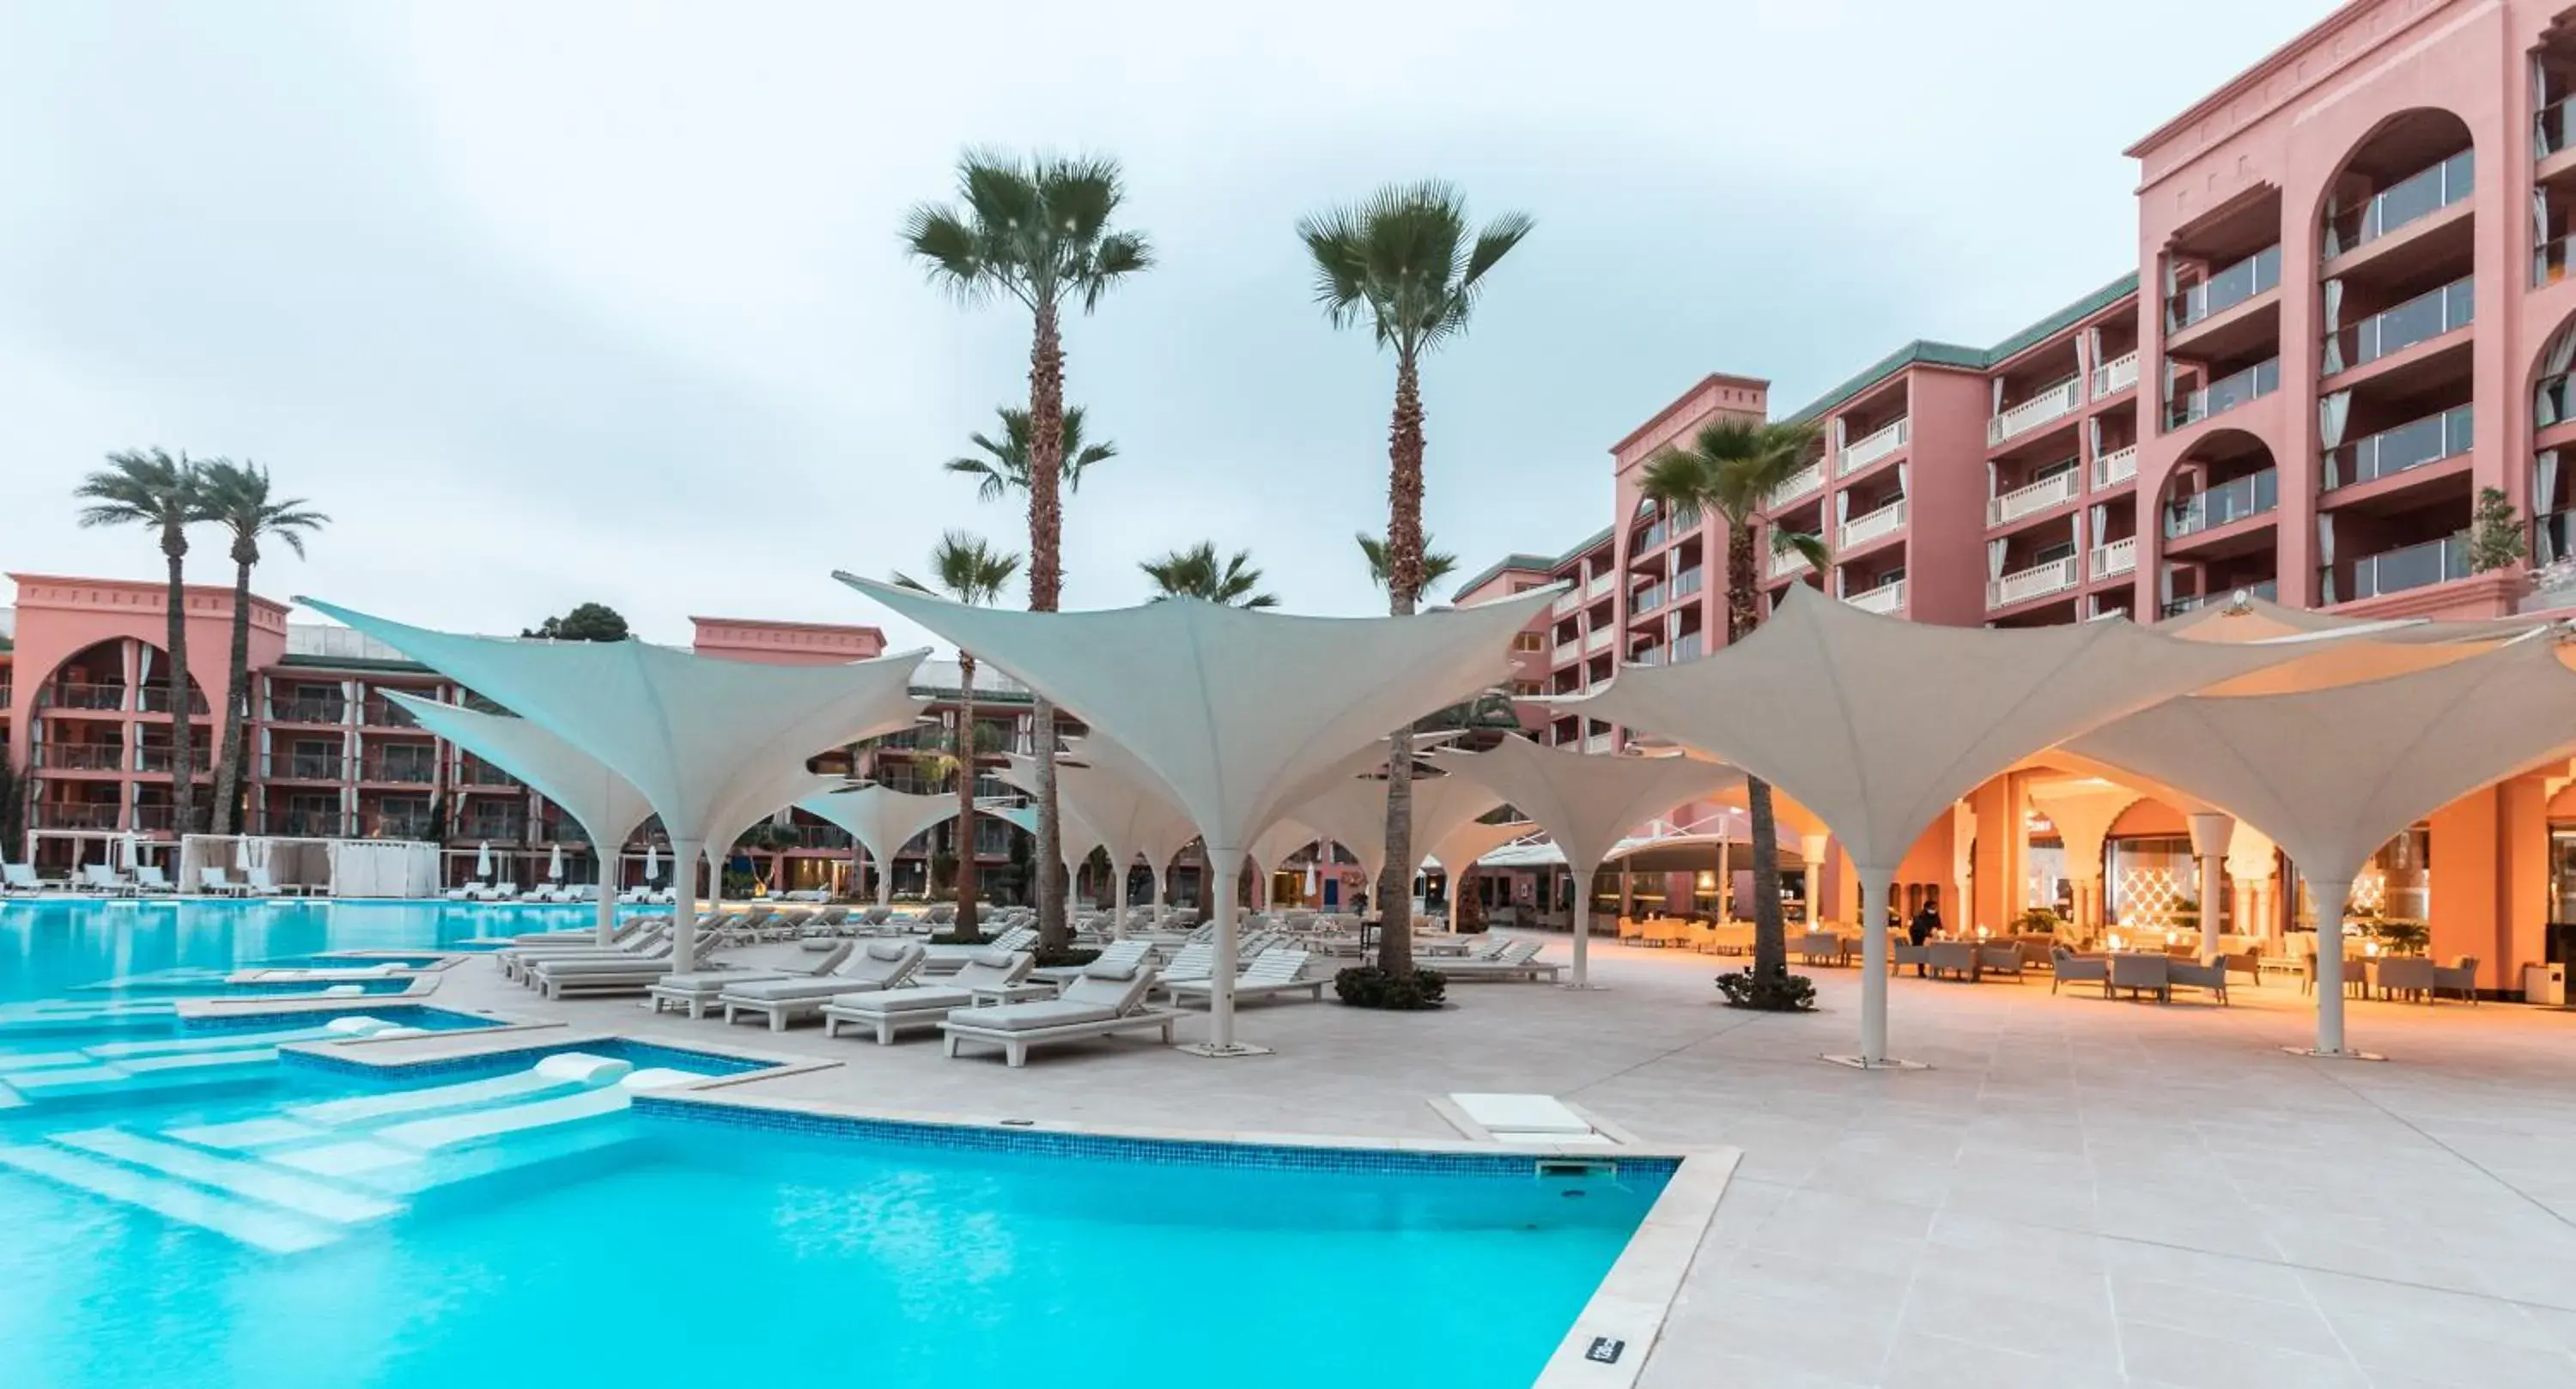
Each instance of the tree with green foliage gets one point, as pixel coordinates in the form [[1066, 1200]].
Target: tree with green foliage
[[1404, 265], [1729, 470], [1037, 232], [237, 498], [166, 494], [2496, 539], [1001, 466], [972, 572], [1197, 573], [1436, 565], [586, 622]]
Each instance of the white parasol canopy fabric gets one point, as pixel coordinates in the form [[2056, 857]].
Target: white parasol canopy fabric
[[1586, 803], [695, 734], [483, 860], [607, 806], [2331, 775], [883, 820], [1104, 787], [1231, 709], [1353, 814]]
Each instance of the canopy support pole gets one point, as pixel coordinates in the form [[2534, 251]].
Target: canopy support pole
[[1226, 865], [1582, 924], [685, 854], [2330, 901], [608, 897], [884, 865], [1874, 965], [2210, 832]]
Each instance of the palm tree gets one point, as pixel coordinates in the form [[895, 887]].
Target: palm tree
[[1035, 231], [149, 487], [1436, 565], [1004, 466], [1195, 573], [1404, 264], [237, 497], [1729, 471], [973, 573]]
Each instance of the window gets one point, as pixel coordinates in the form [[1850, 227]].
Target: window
[[1528, 689], [1529, 641]]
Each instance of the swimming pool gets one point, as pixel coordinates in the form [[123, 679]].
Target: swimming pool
[[521, 1220]]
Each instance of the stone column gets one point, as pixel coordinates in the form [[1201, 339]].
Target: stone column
[[2210, 832]]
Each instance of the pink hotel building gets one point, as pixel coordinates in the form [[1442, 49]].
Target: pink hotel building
[[2357, 313]]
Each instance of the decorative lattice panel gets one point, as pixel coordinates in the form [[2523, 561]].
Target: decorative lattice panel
[[2148, 897]]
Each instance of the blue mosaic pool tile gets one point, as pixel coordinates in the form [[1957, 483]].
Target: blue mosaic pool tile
[[1173, 1152]]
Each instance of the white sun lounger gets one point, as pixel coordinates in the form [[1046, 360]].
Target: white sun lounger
[[1518, 960], [698, 989], [519, 961], [148, 877], [1101, 1003], [1273, 973], [21, 877], [1118, 954], [889, 1011], [882, 965]]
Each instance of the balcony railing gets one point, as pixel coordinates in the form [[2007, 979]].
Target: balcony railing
[[309, 824], [1800, 483], [2226, 393], [2411, 566], [1598, 640], [2117, 557], [2115, 467], [1787, 562], [65, 694], [1569, 651], [1686, 647], [2410, 199], [2268, 590], [304, 766], [1601, 585], [2553, 537], [401, 771], [1886, 598], [2392, 451], [2421, 319], [2055, 490], [405, 824], [1567, 601], [1870, 448], [1597, 743], [1650, 656], [1860, 529], [510, 829], [384, 713], [2229, 502], [307, 710], [2117, 374], [162, 759], [1646, 600], [155, 699], [57, 815], [483, 774], [80, 757], [1688, 582], [2224, 290], [2054, 403], [2038, 581]]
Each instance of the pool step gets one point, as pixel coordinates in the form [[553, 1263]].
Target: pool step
[[230, 1176], [260, 1227], [144, 1073]]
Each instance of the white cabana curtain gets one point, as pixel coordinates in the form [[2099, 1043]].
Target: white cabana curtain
[[2554, 362], [2544, 505], [2098, 516], [2332, 412], [1904, 488], [1995, 558], [2333, 309], [2326, 559], [2539, 235]]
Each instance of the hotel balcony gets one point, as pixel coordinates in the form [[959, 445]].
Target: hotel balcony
[[2115, 375], [1886, 598], [2054, 403], [1567, 602], [1598, 641], [1646, 600], [1569, 651], [79, 757], [1600, 586], [2225, 504], [161, 759], [1870, 448], [473, 773], [155, 699], [2411, 566], [384, 713], [2038, 581], [400, 771], [2419, 320], [316, 711], [302, 767], [2225, 289], [2037, 497], [2115, 467], [64, 694], [1806, 480], [58, 815], [2117, 557], [2402, 204], [2226, 393], [503, 829], [2266, 590], [1785, 563], [1597, 743], [2403, 448], [1860, 530]]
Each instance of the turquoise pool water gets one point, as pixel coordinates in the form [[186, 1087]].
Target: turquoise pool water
[[507, 1224]]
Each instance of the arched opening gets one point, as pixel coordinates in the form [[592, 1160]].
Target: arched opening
[[2553, 432], [2395, 232], [2217, 511], [2222, 277]]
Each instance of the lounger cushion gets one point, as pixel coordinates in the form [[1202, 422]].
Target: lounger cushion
[[716, 980], [903, 1000], [994, 959], [1106, 969], [885, 950], [1031, 1017], [787, 990]]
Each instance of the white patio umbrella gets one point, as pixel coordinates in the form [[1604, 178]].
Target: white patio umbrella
[[554, 864], [606, 806], [695, 734], [883, 820], [1231, 709], [1877, 724], [2330, 774], [652, 861], [1586, 803]]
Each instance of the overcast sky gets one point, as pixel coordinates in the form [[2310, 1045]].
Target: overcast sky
[[547, 302]]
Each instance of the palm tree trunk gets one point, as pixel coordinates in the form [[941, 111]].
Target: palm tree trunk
[[965, 745], [1743, 596], [1046, 583], [228, 755], [1403, 588], [183, 733]]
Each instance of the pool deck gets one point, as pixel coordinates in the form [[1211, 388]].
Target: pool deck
[[2078, 1193]]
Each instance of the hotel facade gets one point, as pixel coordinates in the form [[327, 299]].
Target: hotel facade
[[2350, 316]]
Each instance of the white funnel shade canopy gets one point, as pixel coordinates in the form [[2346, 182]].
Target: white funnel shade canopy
[[1878, 724], [1230, 709], [1078, 838], [697, 735], [881, 819], [2261, 619], [1273, 846], [1586, 803], [1462, 846], [606, 804], [759, 800], [1127, 816], [1354, 814]]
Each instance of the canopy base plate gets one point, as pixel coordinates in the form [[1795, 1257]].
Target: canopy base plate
[[2335, 1055], [1884, 1063], [1227, 1052]]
